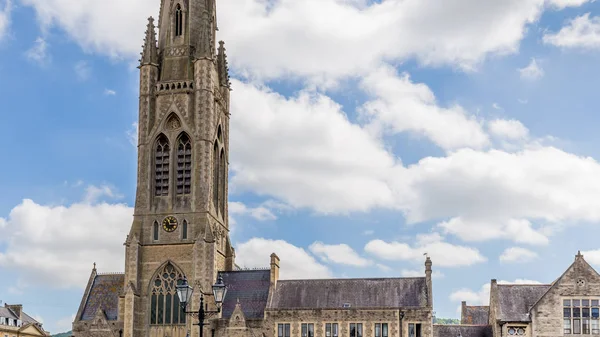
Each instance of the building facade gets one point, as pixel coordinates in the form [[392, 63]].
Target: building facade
[[14, 322], [180, 230]]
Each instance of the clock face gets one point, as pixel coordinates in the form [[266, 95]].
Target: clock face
[[169, 224]]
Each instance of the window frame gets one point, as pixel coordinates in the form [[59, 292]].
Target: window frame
[[381, 329], [330, 327], [417, 329], [305, 329], [581, 316], [359, 329], [283, 327]]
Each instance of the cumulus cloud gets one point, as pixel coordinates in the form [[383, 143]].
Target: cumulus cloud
[[482, 296], [313, 38], [296, 263], [340, 254], [591, 256], [581, 32], [520, 231], [260, 213], [532, 72], [133, 134], [517, 255], [508, 129], [5, 9], [40, 240], [401, 105], [442, 253], [305, 152], [38, 53]]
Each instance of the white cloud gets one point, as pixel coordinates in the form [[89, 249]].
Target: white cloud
[[260, 213], [5, 9], [65, 324], [110, 92], [305, 152], [592, 256], [469, 230], [517, 254], [401, 105], [509, 129], [313, 38], [40, 240], [497, 106], [296, 263], [560, 4], [94, 193], [436, 274], [38, 53], [532, 71], [132, 134], [581, 32], [442, 254], [482, 296], [369, 232], [340, 254], [82, 70]]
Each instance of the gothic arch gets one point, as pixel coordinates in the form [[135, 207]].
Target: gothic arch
[[164, 307], [184, 164], [222, 196], [162, 160], [216, 175]]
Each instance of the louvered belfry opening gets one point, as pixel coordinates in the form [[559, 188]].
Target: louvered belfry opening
[[184, 165]]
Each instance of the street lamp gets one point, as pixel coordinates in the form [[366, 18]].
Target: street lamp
[[185, 291]]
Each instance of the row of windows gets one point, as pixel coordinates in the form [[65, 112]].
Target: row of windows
[[581, 316], [10, 321], [355, 330], [162, 160], [156, 230]]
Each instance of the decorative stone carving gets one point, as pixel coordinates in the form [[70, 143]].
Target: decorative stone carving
[[173, 123]]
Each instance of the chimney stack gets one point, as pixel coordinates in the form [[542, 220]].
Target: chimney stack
[[16, 308], [463, 313], [274, 269]]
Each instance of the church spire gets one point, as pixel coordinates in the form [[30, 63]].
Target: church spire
[[222, 64], [150, 51]]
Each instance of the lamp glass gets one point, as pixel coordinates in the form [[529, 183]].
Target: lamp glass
[[184, 291], [219, 290]]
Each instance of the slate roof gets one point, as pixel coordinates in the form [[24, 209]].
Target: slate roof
[[462, 330], [358, 293], [251, 288], [515, 300], [26, 319], [104, 294], [477, 315]]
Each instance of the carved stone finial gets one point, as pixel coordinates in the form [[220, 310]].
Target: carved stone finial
[[150, 49], [223, 66], [94, 266]]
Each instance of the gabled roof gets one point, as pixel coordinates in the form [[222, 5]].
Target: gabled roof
[[25, 319], [515, 300], [477, 315], [456, 330], [578, 259], [104, 295], [251, 288], [356, 293]]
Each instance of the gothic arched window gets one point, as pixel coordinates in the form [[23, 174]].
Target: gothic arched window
[[161, 172], [178, 21], [184, 165], [155, 231], [216, 175], [222, 168], [184, 230], [164, 302]]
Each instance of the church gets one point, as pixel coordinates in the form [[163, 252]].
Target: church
[[180, 233]]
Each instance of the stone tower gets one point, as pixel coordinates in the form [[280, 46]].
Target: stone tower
[[180, 226]]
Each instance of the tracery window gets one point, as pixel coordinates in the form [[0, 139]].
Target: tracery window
[[184, 165], [164, 302], [178, 21], [162, 161]]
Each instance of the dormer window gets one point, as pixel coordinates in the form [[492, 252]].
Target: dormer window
[[178, 21]]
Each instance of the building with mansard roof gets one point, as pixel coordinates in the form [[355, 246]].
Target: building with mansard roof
[[14, 322], [180, 231]]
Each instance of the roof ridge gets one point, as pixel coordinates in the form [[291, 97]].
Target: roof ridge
[[356, 279]]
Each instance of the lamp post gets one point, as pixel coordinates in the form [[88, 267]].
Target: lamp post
[[185, 291]]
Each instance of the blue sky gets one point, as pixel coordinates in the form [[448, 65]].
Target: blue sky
[[363, 135]]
